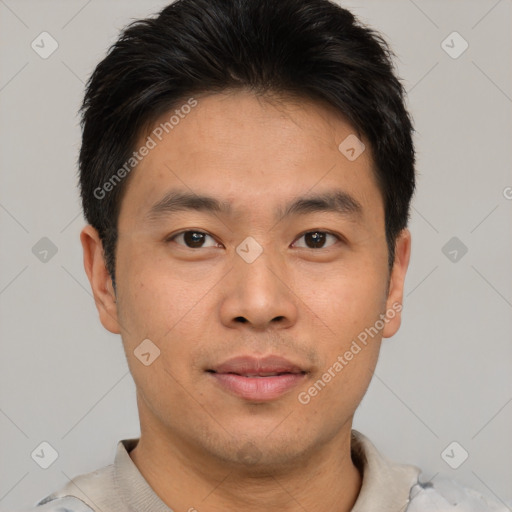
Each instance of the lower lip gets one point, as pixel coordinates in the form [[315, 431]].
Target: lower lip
[[259, 388]]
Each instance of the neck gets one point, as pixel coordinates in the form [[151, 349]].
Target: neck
[[187, 479]]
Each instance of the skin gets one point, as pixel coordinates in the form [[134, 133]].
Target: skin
[[305, 304]]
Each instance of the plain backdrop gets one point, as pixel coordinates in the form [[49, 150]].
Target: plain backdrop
[[445, 377]]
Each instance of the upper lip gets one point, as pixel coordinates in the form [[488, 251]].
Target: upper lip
[[257, 366]]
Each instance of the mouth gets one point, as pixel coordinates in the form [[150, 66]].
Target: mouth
[[258, 379]]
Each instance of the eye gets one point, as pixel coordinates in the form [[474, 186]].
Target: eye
[[191, 239], [317, 239]]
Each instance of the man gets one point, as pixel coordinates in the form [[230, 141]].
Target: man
[[246, 171]]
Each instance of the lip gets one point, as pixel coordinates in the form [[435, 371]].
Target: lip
[[258, 379]]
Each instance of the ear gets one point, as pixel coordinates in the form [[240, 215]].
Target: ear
[[396, 283], [101, 282]]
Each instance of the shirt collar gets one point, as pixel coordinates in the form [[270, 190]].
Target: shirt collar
[[385, 485], [133, 487]]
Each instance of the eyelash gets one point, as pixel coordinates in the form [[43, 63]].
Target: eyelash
[[172, 237]]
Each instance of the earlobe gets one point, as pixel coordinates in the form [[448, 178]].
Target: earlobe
[[396, 283], [99, 279]]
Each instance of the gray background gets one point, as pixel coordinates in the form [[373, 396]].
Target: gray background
[[446, 376]]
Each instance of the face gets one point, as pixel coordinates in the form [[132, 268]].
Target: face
[[252, 254]]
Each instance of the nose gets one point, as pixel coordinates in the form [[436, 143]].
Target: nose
[[259, 294]]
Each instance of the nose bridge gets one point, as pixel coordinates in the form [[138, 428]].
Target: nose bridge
[[261, 272], [258, 269], [258, 293]]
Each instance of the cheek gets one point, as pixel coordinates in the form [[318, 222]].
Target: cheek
[[155, 294], [346, 301], [163, 303], [162, 311]]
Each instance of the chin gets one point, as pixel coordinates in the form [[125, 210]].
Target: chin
[[261, 451]]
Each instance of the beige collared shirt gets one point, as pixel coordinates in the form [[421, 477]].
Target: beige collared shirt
[[120, 486], [386, 487]]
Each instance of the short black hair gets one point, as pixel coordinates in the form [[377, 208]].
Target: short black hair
[[314, 49]]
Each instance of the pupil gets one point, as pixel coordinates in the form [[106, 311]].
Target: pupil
[[316, 238], [193, 238]]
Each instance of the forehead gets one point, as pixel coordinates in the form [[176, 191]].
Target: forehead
[[230, 118], [240, 146]]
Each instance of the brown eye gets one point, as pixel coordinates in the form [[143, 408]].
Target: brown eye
[[317, 239], [192, 239]]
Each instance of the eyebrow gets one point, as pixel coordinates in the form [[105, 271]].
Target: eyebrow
[[336, 201]]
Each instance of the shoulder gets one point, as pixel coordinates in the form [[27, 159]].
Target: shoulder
[[84, 493], [447, 495], [60, 504]]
